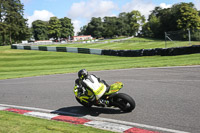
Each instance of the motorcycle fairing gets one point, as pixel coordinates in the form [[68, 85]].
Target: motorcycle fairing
[[82, 98], [114, 88], [98, 88]]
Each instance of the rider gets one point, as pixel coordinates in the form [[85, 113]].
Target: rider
[[91, 86]]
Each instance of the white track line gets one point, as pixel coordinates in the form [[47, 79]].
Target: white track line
[[97, 119]]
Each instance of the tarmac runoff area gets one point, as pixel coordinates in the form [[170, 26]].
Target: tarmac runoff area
[[96, 122]]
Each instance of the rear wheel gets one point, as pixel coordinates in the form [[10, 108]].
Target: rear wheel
[[124, 102]]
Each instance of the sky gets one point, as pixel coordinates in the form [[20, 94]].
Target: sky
[[81, 11]]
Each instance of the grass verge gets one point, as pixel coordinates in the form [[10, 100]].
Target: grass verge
[[26, 63], [132, 44], [16, 123]]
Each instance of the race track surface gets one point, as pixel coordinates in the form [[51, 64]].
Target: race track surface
[[165, 97]]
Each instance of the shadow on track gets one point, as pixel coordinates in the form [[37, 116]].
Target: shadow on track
[[82, 111]]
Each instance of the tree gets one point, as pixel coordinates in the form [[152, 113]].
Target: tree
[[135, 21], [3, 33], [67, 28], [110, 27], [123, 25], [188, 17], [13, 25], [3, 26], [95, 27], [151, 28], [54, 28], [83, 30], [40, 30]]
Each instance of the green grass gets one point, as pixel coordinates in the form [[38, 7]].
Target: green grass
[[133, 44], [16, 123], [25, 63]]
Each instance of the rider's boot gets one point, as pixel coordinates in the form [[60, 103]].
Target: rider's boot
[[104, 102]]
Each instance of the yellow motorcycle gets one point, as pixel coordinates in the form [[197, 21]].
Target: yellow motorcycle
[[116, 99]]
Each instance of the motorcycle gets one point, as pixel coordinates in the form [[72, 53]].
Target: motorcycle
[[116, 99]]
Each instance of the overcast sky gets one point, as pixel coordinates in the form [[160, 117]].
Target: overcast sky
[[81, 11]]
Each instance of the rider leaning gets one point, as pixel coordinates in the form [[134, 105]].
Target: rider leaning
[[90, 86]]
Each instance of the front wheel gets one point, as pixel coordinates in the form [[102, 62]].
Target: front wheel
[[124, 102], [87, 105]]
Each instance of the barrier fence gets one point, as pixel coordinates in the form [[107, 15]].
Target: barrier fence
[[125, 53]]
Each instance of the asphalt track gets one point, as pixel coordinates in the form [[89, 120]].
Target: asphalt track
[[165, 97]]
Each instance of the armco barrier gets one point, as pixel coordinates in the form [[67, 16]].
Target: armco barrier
[[27, 47], [42, 48], [84, 50], [34, 48], [61, 49], [125, 53], [95, 51]]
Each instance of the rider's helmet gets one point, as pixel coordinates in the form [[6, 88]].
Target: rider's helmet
[[82, 74]]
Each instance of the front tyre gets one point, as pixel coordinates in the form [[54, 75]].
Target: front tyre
[[124, 102], [87, 105]]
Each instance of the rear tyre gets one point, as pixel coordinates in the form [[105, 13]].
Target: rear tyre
[[124, 102]]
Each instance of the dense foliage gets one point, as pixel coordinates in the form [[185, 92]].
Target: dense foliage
[[182, 16], [67, 28], [40, 30], [13, 27], [126, 24], [54, 28]]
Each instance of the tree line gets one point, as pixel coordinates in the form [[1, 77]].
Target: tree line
[[126, 24], [181, 16], [54, 28], [14, 27]]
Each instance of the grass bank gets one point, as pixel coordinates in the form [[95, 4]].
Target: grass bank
[[131, 44], [16, 123], [26, 63]]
